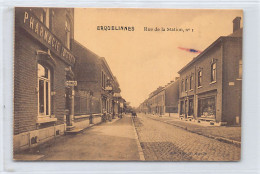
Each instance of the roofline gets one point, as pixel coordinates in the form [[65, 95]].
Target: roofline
[[85, 47], [201, 54], [104, 60]]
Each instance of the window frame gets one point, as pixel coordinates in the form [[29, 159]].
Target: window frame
[[45, 80], [213, 72], [240, 69], [68, 32], [186, 84], [191, 79], [182, 85], [199, 78]]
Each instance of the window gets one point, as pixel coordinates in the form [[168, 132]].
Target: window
[[186, 84], [45, 17], [207, 107], [213, 72], [182, 85], [191, 79], [44, 84], [191, 110], [199, 78], [182, 108], [67, 30], [240, 69], [102, 79]]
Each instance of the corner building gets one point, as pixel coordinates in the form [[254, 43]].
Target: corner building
[[211, 84], [43, 62]]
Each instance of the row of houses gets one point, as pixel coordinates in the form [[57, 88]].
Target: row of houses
[[209, 86], [163, 100], [60, 86]]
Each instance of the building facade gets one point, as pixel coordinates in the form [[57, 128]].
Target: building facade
[[172, 96], [43, 63], [97, 89], [164, 100], [211, 84]]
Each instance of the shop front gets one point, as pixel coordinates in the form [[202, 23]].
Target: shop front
[[206, 109]]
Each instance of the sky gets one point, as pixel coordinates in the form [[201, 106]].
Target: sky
[[144, 60]]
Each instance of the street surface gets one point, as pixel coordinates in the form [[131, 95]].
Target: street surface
[[118, 141], [108, 141], [163, 142]]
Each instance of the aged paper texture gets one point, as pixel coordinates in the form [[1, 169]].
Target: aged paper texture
[[121, 84]]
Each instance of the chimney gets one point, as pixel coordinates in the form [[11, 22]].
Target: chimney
[[236, 24]]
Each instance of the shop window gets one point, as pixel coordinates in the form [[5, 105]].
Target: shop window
[[213, 72], [191, 107], [199, 78], [68, 32], [207, 107], [191, 79], [240, 69], [44, 86]]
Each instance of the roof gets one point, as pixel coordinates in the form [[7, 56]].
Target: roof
[[237, 33]]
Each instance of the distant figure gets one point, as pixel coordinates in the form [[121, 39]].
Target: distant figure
[[134, 114]]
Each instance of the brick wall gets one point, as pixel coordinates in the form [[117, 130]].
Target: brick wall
[[58, 21], [25, 83], [25, 76], [88, 74], [204, 64], [172, 97], [232, 84]]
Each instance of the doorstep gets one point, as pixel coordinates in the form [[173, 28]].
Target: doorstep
[[73, 131]]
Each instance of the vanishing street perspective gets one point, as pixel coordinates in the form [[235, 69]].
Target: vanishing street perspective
[[127, 84]]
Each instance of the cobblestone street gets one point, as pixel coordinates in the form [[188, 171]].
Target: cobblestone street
[[164, 142]]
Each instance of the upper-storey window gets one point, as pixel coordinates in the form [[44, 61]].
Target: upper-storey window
[[199, 78], [191, 79], [240, 69], [68, 32], [213, 72], [186, 84], [182, 86], [45, 17]]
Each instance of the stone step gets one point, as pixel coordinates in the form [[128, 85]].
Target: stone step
[[73, 131]]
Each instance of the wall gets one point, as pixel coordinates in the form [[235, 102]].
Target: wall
[[26, 80], [25, 96], [87, 74], [172, 97], [203, 63], [232, 84]]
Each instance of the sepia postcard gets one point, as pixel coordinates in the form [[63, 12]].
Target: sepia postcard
[[119, 84]]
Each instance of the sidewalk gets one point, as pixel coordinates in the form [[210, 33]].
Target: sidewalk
[[222, 133], [108, 141]]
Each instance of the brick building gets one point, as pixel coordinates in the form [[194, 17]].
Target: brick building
[[211, 84], [97, 88], [43, 62], [163, 100], [172, 96]]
